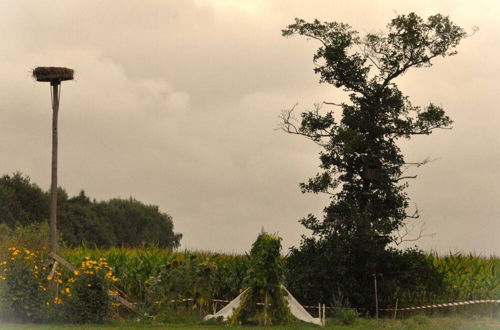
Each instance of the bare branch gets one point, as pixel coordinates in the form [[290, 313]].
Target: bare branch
[[405, 177], [331, 103], [418, 164], [288, 125], [402, 235]]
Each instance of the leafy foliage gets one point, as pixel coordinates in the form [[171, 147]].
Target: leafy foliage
[[468, 276], [125, 222], [411, 277], [22, 201], [334, 270], [264, 280], [136, 267], [180, 280], [362, 165], [89, 295], [25, 276]]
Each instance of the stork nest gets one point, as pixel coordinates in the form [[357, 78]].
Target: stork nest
[[52, 74]]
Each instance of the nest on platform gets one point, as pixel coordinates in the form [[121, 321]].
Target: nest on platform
[[52, 74]]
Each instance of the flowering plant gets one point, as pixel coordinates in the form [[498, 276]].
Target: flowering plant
[[25, 276], [90, 297]]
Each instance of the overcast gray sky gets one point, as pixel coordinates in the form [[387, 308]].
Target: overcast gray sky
[[176, 103]]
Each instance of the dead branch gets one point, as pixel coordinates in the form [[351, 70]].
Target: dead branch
[[405, 178], [402, 235], [332, 103]]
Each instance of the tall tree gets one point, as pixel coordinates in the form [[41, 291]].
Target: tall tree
[[362, 166]]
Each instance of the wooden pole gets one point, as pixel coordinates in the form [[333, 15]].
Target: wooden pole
[[376, 295], [55, 88]]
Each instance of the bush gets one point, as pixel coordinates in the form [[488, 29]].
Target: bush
[[336, 266], [347, 316], [34, 237], [89, 295], [26, 285]]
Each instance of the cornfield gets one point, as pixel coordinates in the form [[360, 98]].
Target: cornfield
[[467, 276], [136, 266]]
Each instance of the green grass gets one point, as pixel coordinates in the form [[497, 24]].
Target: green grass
[[415, 322]]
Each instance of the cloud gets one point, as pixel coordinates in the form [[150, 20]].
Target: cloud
[[176, 103]]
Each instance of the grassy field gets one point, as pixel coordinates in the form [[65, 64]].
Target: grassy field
[[416, 322]]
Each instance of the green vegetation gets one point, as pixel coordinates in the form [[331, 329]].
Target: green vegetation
[[467, 277], [264, 283], [25, 284], [428, 323], [151, 276], [117, 222], [362, 166], [88, 295], [139, 268]]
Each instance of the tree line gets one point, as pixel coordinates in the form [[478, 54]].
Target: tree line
[[85, 221]]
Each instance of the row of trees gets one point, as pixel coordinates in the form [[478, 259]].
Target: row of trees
[[116, 222]]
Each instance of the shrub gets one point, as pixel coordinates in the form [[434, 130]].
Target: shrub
[[34, 237], [89, 295], [26, 283], [335, 265], [347, 316]]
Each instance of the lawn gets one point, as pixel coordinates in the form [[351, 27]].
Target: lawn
[[416, 322]]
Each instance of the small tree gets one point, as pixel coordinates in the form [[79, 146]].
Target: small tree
[[362, 165]]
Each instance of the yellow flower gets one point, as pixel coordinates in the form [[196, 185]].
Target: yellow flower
[[57, 300], [76, 272], [49, 278]]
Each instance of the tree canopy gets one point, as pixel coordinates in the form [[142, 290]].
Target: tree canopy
[[116, 222], [362, 166]]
